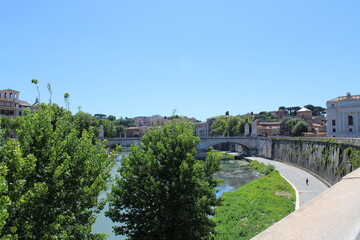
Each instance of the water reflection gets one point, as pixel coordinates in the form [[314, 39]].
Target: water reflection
[[235, 173]]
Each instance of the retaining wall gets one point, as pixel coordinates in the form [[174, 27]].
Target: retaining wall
[[329, 160]]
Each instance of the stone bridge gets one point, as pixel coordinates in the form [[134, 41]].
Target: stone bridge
[[249, 144], [124, 142]]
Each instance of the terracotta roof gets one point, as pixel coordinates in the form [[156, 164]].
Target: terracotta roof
[[269, 123], [344, 98], [24, 103], [9, 90]]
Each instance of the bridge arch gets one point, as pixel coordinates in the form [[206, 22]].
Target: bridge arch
[[248, 144]]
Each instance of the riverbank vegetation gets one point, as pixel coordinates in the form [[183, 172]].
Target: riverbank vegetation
[[262, 167], [254, 207], [226, 156]]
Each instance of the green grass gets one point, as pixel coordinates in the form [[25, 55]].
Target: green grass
[[262, 167], [226, 156], [254, 207]]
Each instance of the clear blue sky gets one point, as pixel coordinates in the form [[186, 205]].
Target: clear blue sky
[[202, 58]]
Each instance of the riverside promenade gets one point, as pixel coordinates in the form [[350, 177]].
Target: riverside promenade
[[297, 178], [333, 215]]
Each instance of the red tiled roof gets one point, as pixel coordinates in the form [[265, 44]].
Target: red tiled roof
[[344, 98], [9, 90]]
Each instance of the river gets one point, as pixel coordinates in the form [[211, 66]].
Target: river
[[233, 174]]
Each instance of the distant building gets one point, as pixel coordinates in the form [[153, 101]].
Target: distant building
[[201, 129], [11, 105], [132, 132], [268, 128], [343, 116], [135, 132], [305, 114], [316, 125]]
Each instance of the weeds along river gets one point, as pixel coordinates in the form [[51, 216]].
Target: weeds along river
[[233, 173]]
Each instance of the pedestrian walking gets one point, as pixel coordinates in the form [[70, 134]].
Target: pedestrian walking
[[307, 181]]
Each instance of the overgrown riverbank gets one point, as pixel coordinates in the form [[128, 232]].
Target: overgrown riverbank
[[254, 207]]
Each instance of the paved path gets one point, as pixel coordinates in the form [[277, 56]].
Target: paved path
[[333, 215], [297, 177]]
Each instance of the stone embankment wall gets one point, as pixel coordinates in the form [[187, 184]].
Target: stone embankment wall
[[326, 158]]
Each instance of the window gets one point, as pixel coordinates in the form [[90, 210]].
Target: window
[[334, 129], [333, 122], [350, 120], [332, 105], [350, 130]]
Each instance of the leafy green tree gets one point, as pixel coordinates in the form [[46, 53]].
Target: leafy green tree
[[316, 110], [36, 82], [109, 128], [120, 130], [297, 126], [54, 178], [10, 125], [100, 115], [67, 100], [163, 191], [4, 198], [234, 126], [127, 122], [111, 117], [85, 121], [50, 92], [229, 126], [219, 127], [266, 117], [292, 110]]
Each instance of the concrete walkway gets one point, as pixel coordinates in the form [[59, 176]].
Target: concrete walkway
[[297, 177], [333, 215]]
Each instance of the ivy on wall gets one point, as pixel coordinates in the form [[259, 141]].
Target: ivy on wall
[[327, 158]]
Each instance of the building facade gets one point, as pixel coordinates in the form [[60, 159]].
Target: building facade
[[343, 116], [11, 105], [201, 129]]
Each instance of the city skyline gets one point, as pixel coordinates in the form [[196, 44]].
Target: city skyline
[[201, 58]]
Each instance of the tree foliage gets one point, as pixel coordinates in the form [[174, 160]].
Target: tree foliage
[[229, 126], [266, 117], [54, 175], [297, 126], [316, 110], [10, 125], [163, 191], [292, 110], [111, 117]]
